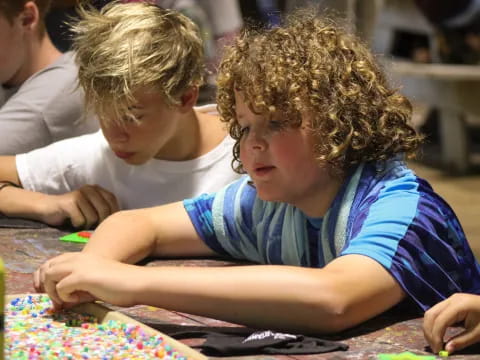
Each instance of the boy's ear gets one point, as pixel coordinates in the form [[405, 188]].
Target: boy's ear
[[30, 16], [189, 99]]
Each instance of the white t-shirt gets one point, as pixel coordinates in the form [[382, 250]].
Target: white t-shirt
[[69, 164], [47, 107]]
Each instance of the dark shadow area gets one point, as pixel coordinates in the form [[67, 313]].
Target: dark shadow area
[[402, 312], [410, 45], [18, 223], [58, 18]]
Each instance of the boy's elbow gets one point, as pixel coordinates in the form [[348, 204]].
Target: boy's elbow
[[128, 221], [334, 312], [128, 216], [333, 315]]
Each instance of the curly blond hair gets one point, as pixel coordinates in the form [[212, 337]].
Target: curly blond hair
[[127, 47], [311, 65]]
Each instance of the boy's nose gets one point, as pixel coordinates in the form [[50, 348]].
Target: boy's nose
[[257, 142], [115, 133]]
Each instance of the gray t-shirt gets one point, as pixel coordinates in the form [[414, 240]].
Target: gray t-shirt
[[47, 107]]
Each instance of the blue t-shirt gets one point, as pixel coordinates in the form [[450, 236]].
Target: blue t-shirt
[[383, 211]]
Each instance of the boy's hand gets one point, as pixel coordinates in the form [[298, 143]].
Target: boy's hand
[[457, 308], [74, 278], [85, 207]]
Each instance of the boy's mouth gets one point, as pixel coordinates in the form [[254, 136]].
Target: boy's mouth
[[263, 170], [123, 155]]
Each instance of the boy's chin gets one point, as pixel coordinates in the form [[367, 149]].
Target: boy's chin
[[269, 196], [135, 161]]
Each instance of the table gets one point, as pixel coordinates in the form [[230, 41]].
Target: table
[[23, 250]]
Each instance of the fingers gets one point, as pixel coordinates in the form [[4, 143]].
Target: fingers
[[458, 308], [81, 297], [111, 200], [90, 205], [469, 305], [466, 338], [81, 213], [450, 315], [36, 281], [50, 273], [103, 202], [431, 330], [72, 291]]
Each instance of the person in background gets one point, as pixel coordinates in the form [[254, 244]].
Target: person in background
[[154, 146], [41, 101]]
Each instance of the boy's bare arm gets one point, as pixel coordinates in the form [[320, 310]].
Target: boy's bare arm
[[15, 201], [127, 236], [84, 207], [347, 292], [130, 236], [8, 169], [350, 290]]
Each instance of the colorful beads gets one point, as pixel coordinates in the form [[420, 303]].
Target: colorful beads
[[35, 331]]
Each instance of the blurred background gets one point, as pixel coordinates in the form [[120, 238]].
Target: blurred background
[[429, 48]]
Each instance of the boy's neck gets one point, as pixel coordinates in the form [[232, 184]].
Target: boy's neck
[[48, 54], [186, 142], [319, 201], [39, 53], [198, 134]]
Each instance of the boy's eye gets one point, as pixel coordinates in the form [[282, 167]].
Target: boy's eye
[[244, 130], [131, 119], [274, 125]]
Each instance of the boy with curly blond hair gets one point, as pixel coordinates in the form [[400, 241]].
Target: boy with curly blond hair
[[341, 228], [140, 67], [40, 101]]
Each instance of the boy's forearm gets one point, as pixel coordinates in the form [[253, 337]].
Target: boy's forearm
[[163, 231], [273, 297], [126, 236], [8, 169], [348, 291], [18, 202]]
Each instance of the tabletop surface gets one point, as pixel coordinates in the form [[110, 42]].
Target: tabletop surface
[[23, 250]]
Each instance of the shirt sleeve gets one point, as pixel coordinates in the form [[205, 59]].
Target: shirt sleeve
[[22, 126], [416, 236], [223, 220], [47, 107], [62, 166]]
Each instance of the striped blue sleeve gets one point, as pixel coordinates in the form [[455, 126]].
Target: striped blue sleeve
[[199, 210], [416, 236], [223, 220]]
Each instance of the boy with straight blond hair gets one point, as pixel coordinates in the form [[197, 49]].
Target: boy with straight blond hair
[[340, 227], [40, 101], [140, 67]]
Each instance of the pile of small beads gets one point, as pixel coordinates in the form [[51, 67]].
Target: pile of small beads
[[33, 330]]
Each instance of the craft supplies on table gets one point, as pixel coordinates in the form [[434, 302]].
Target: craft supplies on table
[[88, 331]]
